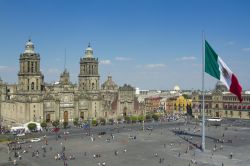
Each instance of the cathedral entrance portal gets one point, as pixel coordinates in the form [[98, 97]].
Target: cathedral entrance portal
[[125, 111], [217, 114], [65, 116], [47, 117], [82, 115]]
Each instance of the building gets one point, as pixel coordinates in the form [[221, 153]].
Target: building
[[177, 104], [221, 103], [31, 99], [152, 104]]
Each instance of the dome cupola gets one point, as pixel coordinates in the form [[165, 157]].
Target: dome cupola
[[29, 47], [89, 52]]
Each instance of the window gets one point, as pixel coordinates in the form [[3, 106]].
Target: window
[[28, 66], [32, 67], [32, 85]]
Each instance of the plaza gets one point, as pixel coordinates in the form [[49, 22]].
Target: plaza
[[169, 143]]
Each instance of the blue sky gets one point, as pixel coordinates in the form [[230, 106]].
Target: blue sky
[[151, 44]]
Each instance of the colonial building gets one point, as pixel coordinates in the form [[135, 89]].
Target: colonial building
[[33, 100], [152, 104], [221, 103], [177, 104]]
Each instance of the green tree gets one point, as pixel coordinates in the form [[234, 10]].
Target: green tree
[[155, 117], [94, 122], [55, 123], [127, 119], [148, 117], [134, 119], [119, 119], [102, 121], [140, 118], [65, 124], [186, 96], [76, 122], [111, 121], [43, 124], [32, 126]]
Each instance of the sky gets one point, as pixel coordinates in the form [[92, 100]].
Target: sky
[[150, 44]]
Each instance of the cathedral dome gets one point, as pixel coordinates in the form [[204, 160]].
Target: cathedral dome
[[220, 86], [89, 52], [29, 47], [177, 88], [109, 84]]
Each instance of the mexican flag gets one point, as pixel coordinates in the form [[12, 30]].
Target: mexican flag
[[217, 68]]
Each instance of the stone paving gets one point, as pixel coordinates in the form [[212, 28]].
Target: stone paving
[[161, 147]]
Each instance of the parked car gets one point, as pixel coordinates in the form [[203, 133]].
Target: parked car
[[20, 134], [35, 140], [150, 128], [22, 142]]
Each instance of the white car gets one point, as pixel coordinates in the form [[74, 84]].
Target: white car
[[35, 140], [20, 134]]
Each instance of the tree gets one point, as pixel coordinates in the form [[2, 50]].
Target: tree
[[127, 119], [102, 121], [55, 123], [43, 124], [32, 126], [155, 117], [76, 122], [119, 119], [134, 119], [148, 117], [186, 96], [94, 122], [140, 118], [65, 124], [111, 121]]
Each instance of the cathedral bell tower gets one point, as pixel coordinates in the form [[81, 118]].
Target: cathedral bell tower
[[30, 78], [89, 76]]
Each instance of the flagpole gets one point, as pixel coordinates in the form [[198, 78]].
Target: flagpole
[[203, 102]]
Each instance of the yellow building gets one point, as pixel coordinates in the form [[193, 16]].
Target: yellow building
[[177, 104]]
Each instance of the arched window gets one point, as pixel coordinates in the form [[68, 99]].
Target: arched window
[[32, 85], [93, 86]]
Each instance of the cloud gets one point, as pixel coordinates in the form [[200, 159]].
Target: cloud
[[105, 62], [151, 66], [186, 58], [246, 49], [7, 68], [119, 58], [230, 43]]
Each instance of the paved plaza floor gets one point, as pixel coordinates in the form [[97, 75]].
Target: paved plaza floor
[[169, 145]]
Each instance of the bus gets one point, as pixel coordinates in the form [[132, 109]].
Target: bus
[[216, 121]]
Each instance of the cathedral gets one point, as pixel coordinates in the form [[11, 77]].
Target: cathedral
[[31, 99]]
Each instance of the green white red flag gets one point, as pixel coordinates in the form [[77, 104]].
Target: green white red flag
[[217, 68]]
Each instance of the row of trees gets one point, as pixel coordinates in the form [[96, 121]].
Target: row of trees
[[101, 121]]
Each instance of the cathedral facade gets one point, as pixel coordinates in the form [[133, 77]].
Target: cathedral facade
[[31, 99]]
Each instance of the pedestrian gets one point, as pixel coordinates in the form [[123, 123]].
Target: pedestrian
[[231, 155]]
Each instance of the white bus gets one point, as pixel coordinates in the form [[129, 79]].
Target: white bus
[[216, 121]]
